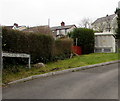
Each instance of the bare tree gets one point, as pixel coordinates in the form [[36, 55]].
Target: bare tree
[[86, 23], [101, 27], [39, 29], [43, 29]]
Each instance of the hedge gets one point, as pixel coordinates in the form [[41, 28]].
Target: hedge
[[63, 48], [85, 39], [41, 47]]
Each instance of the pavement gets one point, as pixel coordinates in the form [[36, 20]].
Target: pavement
[[96, 83]]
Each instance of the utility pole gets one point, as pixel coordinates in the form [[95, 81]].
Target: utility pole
[[76, 41], [49, 22]]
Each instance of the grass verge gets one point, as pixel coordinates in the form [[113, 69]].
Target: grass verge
[[17, 72]]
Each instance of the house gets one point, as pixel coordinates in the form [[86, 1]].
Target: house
[[61, 31], [105, 24], [105, 38], [16, 27]]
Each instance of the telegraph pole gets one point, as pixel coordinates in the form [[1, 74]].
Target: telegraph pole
[[49, 22]]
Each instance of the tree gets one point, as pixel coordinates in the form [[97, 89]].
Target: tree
[[39, 29], [118, 28], [85, 39], [86, 23], [101, 27], [118, 22]]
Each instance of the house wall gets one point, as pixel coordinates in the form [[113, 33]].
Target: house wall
[[65, 31], [57, 32], [61, 32], [71, 29], [104, 43]]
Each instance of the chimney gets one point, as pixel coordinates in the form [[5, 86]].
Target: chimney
[[16, 25], [62, 23]]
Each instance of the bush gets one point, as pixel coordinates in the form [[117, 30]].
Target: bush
[[118, 23], [62, 48], [14, 41], [85, 39], [39, 46]]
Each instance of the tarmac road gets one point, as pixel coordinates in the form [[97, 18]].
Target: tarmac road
[[95, 83]]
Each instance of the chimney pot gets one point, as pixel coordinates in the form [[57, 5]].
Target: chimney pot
[[15, 24], [62, 23]]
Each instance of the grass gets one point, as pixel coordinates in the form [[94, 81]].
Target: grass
[[17, 72]]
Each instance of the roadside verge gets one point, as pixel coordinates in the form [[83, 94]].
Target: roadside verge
[[61, 72]]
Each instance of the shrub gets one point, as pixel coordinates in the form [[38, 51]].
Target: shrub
[[85, 39], [39, 46], [62, 48], [118, 23], [14, 41]]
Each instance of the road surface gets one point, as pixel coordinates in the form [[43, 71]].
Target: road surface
[[96, 83]]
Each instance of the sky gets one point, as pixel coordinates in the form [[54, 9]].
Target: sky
[[37, 12]]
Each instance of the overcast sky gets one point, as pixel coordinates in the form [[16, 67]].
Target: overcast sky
[[37, 12]]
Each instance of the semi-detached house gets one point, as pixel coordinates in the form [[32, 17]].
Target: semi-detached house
[[61, 31], [105, 38]]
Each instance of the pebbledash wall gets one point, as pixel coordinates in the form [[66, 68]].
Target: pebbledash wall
[[105, 43]]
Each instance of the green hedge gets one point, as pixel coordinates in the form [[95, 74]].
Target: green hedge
[[85, 39], [41, 47], [62, 48]]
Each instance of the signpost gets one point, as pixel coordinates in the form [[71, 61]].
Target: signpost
[[22, 55]]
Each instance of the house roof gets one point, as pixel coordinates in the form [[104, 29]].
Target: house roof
[[34, 29], [39, 29], [104, 33], [103, 19], [9, 27], [61, 27], [18, 27]]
